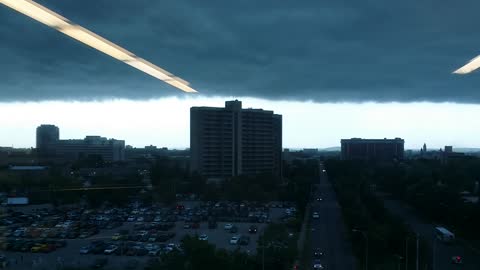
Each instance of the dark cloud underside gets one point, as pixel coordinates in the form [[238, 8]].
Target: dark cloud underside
[[350, 50]]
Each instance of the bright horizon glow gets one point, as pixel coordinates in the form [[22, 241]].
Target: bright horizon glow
[[469, 67], [83, 35], [166, 122]]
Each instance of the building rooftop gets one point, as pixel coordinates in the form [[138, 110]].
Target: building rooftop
[[28, 168]]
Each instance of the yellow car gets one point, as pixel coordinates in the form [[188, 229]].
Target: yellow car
[[38, 247], [116, 237]]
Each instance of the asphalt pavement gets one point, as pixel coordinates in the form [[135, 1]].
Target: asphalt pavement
[[329, 231]]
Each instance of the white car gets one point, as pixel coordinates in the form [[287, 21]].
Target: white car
[[324, 170], [151, 246], [170, 247], [154, 252], [203, 237], [110, 249], [317, 264], [234, 240], [315, 215], [131, 219], [228, 226]]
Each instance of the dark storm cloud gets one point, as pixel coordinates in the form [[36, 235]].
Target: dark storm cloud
[[350, 50]]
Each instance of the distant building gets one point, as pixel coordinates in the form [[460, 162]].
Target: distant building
[[372, 149], [232, 141], [16, 156], [148, 152], [310, 151], [448, 154], [49, 145], [46, 136], [28, 168], [29, 171]]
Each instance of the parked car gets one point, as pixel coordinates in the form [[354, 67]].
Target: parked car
[[117, 236], [203, 237], [317, 253], [234, 240], [252, 229], [244, 240], [131, 264], [141, 251], [99, 263], [212, 224], [317, 264], [60, 243], [228, 226], [154, 252], [110, 249], [37, 248], [85, 249], [315, 215], [456, 260]]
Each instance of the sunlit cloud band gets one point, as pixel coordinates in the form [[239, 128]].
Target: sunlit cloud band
[[54, 20]]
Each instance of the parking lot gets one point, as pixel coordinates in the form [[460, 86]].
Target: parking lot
[[138, 234]]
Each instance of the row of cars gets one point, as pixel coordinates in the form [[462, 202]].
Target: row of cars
[[143, 236], [35, 246], [127, 248], [56, 224]]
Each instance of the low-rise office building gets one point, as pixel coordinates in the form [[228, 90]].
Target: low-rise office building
[[372, 149]]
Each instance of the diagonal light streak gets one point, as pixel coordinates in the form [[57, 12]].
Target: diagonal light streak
[[56, 21], [469, 67]]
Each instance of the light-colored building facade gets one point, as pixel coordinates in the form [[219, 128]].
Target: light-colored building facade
[[232, 141]]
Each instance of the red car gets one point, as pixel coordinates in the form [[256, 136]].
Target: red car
[[457, 260], [195, 225]]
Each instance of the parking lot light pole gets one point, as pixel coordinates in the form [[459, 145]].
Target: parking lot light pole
[[263, 250], [366, 246], [406, 253]]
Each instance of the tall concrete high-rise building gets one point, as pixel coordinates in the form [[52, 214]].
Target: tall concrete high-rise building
[[232, 141], [372, 149], [46, 136]]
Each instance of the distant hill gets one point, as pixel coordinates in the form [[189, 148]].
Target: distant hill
[[466, 150], [331, 149]]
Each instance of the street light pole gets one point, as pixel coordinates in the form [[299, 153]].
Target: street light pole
[[416, 263], [263, 251], [434, 250], [366, 246], [406, 253]]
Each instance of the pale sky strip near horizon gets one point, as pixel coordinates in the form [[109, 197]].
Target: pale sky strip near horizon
[[166, 121]]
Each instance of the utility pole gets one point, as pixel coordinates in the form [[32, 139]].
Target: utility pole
[[434, 250], [263, 251], [366, 246], [406, 253], [416, 263]]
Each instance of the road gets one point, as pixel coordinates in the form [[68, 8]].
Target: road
[[329, 231], [442, 252]]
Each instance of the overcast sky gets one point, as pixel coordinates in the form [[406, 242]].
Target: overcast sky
[[300, 58]]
